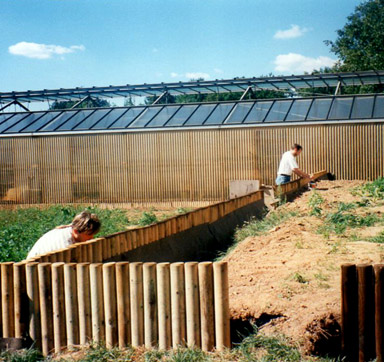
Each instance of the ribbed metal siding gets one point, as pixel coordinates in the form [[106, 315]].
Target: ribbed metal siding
[[172, 166]]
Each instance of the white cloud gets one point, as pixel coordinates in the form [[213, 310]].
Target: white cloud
[[297, 63], [197, 75], [42, 51], [295, 31], [174, 75], [218, 70]]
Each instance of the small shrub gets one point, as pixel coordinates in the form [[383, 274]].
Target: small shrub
[[315, 201], [373, 190], [297, 277], [346, 206], [147, 218]]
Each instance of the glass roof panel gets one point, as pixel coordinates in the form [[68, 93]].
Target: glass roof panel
[[299, 110], [341, 108], [362, 107], [379, 107], [127, 118], [219, 114], [92, 119], [319, 109], [145, 117], [163, 116], [240, 112], [279, 111], [5, 116], [181, 116], [258, 112], [12, 121], [60, 119], [76, 119], [111, 117], [49, 116], [201, 114], [25, 122]]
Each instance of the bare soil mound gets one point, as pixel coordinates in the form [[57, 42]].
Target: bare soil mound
[[289, 279]]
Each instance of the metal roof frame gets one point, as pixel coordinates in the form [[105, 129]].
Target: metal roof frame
[[204, 86]]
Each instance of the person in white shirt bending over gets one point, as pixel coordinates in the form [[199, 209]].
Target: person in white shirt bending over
[[288, 165], [83, 228]]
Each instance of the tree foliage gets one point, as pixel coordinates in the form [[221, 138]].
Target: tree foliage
[[88, 103], [360, 43]]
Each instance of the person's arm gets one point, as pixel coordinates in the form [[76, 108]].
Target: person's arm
[[300, 173]]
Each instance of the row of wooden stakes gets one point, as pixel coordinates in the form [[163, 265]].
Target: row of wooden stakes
[[63, 305], [113, 246], [362, 312]]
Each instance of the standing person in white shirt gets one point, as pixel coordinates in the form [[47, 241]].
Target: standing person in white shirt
[[83, 228], [288, 165]]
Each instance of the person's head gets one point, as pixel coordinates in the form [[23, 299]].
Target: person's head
[[296, 149], [84, 226]]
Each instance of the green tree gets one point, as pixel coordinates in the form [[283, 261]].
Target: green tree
[[360, 43], [89, 103]]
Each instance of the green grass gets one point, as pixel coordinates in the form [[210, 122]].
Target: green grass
[[29, 355], [315, 201], [373, 190], [21, 228], [147, 218], [256, 227], [377, 238], [338, 222], [256, 347]]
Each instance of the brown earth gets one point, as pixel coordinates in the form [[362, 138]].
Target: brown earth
[[290, 277]]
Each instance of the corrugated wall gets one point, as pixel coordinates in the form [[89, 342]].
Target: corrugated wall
[[176, 166]]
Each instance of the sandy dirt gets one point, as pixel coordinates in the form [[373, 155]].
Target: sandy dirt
[[292, 272]]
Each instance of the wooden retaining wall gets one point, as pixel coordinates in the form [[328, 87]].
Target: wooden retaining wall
[[177, 166], [112, 246], [63, 305], [362, 314], [70, 297]]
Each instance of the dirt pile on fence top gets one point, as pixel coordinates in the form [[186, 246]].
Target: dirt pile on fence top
[[292, 274]]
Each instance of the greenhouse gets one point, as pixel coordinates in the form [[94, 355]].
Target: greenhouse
[[185, 153]]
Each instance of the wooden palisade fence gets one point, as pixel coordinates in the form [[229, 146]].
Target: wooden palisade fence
[[73, 296], [362, 315], [62, 305]]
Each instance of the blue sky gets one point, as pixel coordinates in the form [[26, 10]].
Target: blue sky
[[67, 43]]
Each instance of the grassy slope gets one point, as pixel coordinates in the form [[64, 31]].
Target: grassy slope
[[21, 228]]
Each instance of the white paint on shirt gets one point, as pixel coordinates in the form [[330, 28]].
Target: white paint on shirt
[[53, 240], [287, 164]]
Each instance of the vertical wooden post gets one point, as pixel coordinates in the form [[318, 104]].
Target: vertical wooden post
[[379, 315], [221, 297], [192, 304], [206, 306], [45, 292], [71, 305], [164, 305], [366, 306], [20, 299], [110, 304], [84, 297], [123, 305], [349, 313], [58, 306], [178, 304], [97, 251], [97, 302], [7, 300], [150, 305], [34, 303], [137, 303]]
